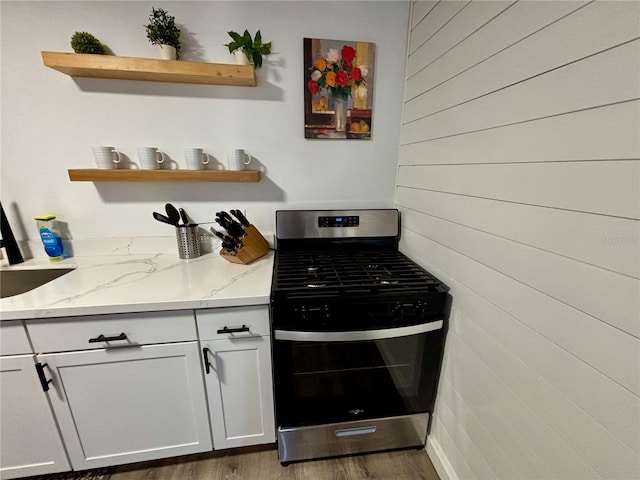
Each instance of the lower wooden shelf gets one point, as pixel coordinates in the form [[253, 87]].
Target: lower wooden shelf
[[98, 175]]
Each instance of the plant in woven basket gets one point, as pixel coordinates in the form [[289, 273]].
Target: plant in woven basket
[[83, 42]]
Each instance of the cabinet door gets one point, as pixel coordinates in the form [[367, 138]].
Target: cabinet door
[[129, 404], [240, 391], [29, 440]]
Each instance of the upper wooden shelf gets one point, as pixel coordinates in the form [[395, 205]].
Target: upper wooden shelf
[[98, 175], [150, 69]]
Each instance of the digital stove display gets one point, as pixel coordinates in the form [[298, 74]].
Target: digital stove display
[[349, 221]]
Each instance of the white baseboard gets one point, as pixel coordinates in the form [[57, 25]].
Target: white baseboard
[[439, 460]]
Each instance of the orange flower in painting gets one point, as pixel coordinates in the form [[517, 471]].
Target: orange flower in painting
[[321, 64], [331, 79]]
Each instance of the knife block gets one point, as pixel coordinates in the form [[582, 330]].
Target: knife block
[[254, 246]]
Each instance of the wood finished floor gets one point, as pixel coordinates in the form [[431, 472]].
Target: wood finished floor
[[261, 463]]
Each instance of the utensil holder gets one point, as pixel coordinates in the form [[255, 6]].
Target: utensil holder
[[188, 241], [254, 246]]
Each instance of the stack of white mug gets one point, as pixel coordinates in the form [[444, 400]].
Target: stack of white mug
[[151, 159]]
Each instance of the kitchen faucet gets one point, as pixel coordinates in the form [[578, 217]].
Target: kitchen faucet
[[8, 241]]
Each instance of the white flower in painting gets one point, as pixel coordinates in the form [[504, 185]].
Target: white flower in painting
[[315, 76], [332, 55], [361, 92], [364, 69]]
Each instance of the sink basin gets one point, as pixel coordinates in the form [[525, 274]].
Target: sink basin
[[15, 282]]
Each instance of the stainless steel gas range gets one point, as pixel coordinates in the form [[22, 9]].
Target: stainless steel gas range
[[358, 335]]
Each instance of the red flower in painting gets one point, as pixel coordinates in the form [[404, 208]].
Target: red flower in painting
[[313, 86], [342, 78], [348, 54], [356, 74]]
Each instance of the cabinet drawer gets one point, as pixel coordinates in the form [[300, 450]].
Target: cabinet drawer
[[212, 321], [75, 333], [13, 339]]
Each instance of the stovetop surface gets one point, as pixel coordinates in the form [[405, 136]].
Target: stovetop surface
[[349, 272], [338, 259]]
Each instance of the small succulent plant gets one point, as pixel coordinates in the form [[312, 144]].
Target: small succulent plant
[[83, 42]]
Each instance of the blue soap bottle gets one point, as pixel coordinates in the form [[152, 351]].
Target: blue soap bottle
[[50, 235]]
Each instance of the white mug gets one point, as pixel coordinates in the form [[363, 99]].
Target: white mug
[[150, 158], [238, 159], [196, 158], [106, 157]]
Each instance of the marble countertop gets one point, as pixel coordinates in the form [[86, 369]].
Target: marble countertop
[[102, 284]]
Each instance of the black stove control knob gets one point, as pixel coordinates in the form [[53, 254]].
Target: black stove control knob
[[326, 313]]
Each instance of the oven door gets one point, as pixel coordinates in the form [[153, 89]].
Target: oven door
[[330, 377]]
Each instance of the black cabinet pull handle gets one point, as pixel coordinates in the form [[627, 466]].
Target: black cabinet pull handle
[[205, 357], [102, 338], [244, 328], [43, 379]]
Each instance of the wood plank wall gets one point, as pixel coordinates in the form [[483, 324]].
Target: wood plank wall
[[519, 186]]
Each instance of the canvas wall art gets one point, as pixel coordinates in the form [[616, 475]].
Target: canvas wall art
[[338, 91]]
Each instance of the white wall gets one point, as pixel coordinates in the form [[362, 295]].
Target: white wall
[[519, 185], [50, 120]]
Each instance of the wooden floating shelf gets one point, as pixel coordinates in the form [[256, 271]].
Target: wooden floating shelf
[[150, 69], [98, 175]]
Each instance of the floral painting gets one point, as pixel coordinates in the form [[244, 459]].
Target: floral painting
[[338, 90]]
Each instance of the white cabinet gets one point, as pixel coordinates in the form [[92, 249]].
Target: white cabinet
[[13, 339], [131, 388], [129, 404], [236, 352], [125, 400], [29, 440]]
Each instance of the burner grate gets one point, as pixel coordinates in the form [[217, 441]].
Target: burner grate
[[305, 273]]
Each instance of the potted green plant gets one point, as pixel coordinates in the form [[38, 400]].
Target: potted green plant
[[252, 49], [83, 42], [163, 31]]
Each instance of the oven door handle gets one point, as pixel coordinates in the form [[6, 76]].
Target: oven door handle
[[381, 334]]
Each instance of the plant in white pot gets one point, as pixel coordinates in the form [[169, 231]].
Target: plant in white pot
[[248, 50], [162, 31]]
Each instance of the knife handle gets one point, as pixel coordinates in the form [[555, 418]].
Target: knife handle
[[241, 218]]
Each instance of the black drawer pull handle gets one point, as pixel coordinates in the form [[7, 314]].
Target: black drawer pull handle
[[102, 338], [244, 328], [43, 379], [205, 358]]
